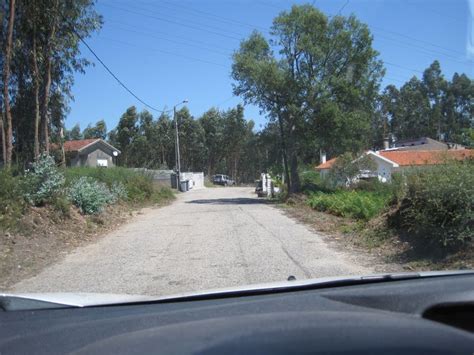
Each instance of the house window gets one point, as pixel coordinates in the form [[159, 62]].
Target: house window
[[102, 162]]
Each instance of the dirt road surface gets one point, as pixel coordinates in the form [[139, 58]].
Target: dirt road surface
[[209, 238]]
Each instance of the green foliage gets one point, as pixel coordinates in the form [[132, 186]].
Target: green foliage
[[311, 181], [43, 182], [89, 195], [354, 204], [140, 188], [12, 204], [125, 183], [162, 194], [323, 65], [62, 204], [348, 166], [438, 205], [97, 131], [108, 176], [119, 190]]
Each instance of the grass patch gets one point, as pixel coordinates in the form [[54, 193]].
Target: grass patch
[[12, 204], [362, 205], [139, 185]]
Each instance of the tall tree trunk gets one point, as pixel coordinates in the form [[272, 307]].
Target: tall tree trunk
[[2, 132], [37, 100], [6, 80], [61, 140], [47, 84], [45, 104], [295, 179], [284, 153]]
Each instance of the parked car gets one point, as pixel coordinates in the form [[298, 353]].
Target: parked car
[[223, 180]]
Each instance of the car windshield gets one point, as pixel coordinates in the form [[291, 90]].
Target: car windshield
[[160, 147]]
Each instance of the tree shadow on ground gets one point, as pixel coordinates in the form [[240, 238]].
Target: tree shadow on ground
[[232, 201]]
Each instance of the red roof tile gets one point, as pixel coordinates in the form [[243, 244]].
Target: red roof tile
[[426, 157], [74, 146], [327, 165]]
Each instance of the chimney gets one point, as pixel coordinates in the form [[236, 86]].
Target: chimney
[[386, 143], [322, 156]]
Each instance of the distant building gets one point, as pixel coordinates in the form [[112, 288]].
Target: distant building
[[90, 152], [394, 160], [423, 143]]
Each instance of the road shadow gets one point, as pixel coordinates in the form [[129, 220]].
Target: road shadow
[[232, 201]]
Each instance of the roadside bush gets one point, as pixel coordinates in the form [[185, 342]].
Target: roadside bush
[[311, 181], [12, 203], [135, 186], [162, 194], [62, 204], [108, 176], [89, 195], [438, 205], [139, 188], [119, 191], [354, 204], [43, 182]]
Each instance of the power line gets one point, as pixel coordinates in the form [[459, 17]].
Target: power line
[[112, 74], [163, 51], [218, 17], [342, 7], [384, 30], [150, 32], [173, 22], [175, 42]]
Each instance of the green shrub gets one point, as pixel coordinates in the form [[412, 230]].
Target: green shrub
[[354, 204], [62, 204], [138, 187], [90, 195], [119, 191], [311, 181], [43, 182], [162, 194], [438, 205], [108, 176], [12, 204]]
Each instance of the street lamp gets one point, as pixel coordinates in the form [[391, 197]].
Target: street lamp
[[178, 157]]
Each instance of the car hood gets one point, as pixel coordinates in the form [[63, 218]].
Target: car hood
[[34, 301]]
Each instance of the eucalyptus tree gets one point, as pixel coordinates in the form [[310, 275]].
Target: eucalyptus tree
[[315, 76]]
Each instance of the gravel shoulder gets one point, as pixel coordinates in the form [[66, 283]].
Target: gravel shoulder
[[207, 238]]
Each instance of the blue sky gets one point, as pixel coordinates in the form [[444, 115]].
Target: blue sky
[[170, 50]]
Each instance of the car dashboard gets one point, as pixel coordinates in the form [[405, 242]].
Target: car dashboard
[[429, 315]]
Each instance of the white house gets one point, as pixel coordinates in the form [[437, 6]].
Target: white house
[[393, 160]]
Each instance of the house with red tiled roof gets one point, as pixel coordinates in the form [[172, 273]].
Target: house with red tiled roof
[[90, 152], [393, 160]]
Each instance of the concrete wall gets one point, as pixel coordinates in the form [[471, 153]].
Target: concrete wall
[[384, 170], [161, 177], [96, 155], [91, 159], [196, 179]]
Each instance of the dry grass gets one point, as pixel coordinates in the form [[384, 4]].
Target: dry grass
[[377, 241], [46, 236]]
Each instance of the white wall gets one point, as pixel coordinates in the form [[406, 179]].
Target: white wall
[[196, 179]]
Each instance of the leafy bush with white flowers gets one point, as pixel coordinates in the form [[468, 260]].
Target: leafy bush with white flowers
[[43, 182], [90, 195]]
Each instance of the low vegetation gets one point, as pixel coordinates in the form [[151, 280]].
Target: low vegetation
[[354, 204], [90, 190], [431, 208], [437, 205]]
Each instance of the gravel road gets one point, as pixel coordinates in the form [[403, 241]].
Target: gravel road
[[209, 238]]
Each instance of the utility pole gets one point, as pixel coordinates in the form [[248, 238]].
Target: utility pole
[[178, 163], [178, 157]]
